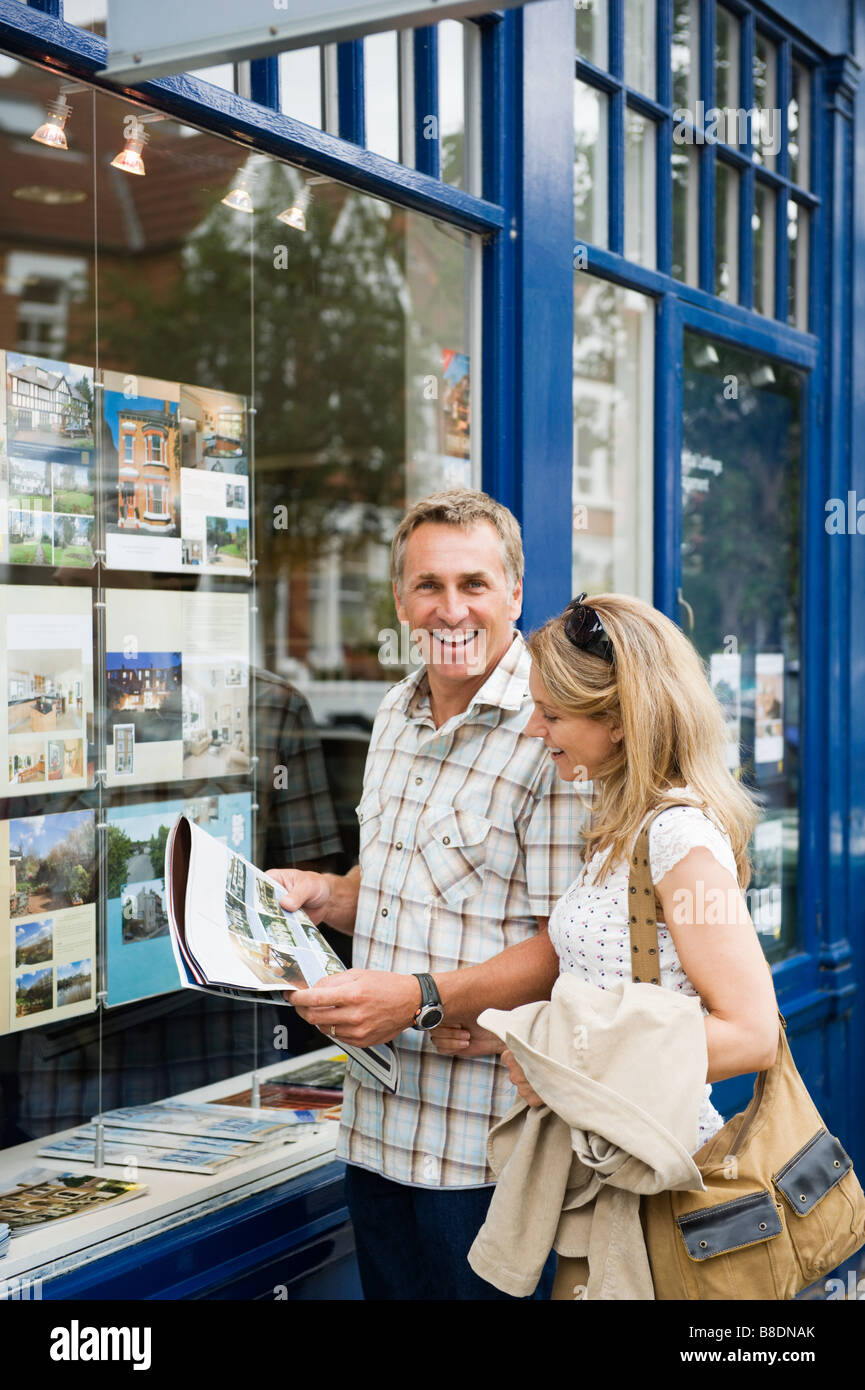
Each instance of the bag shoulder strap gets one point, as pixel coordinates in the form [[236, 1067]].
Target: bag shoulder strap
[[642, 917]]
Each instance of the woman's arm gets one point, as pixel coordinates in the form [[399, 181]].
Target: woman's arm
[[715, 939]]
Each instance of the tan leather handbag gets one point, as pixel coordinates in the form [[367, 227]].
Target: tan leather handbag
[[782, 1207]]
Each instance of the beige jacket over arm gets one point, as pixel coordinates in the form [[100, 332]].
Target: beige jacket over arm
[[622, 1073]]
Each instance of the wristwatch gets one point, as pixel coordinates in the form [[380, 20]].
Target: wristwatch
[[431, 1011]]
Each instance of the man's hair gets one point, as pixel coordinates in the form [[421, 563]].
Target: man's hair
[[460, 507]]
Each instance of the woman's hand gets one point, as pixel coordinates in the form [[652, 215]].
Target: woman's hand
[[465, 1040], [518, 1077]]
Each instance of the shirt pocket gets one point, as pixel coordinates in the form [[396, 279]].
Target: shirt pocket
[[454, 847], [369, 818]]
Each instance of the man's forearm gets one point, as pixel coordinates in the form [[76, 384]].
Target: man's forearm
[[341, 909], [518, 975]]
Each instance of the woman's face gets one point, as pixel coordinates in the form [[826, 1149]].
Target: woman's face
[[578, 746]]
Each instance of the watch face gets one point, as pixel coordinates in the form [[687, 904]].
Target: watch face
[[430, 1016]]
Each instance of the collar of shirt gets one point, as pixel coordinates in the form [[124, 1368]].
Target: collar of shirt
[[505, 688]]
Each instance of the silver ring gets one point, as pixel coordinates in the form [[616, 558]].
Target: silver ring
[[333, 1030]]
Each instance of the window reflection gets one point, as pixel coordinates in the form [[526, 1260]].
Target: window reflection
[[684, 54], [740, 585], [726, 231], [613, 413], [590, 164], [640, 170], [591, 31]]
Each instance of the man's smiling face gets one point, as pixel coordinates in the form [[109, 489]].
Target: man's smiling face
[[457, 594]]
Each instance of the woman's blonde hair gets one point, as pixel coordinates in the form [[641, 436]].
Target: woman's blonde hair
[[673, 729]]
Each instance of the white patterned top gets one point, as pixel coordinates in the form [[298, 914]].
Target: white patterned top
[[589, 923]]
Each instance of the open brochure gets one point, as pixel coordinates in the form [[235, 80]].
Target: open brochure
[[41, 1196], [230, 936], [140, 1148]]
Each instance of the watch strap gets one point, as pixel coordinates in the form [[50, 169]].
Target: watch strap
[[428, 992]]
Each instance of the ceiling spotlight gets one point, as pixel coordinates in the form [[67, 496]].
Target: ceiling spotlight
[[129, 159], [295, 216], [52, 132], [763, 376], [239, 198], [706, 356]]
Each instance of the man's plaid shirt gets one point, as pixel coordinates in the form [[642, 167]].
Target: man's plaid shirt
[[467, 835]]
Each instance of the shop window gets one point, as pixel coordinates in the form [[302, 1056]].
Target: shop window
[[452, 72], [640, 180], [766, 129], [641, 58], [685, 54], [797, 265], [300, 85], [381, 94], [763, 226], [741, 460], [727, 45], [259, 370], [686, 219], [613, 413], [726, 231], [591, 123], [592, 31], [799, 126]]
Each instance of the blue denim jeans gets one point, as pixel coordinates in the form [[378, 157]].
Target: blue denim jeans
[[413, 1242]]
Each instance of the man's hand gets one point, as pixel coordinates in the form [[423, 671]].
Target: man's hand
[[518, 1077], [303, 889], [362, 1006], [465, 1040]]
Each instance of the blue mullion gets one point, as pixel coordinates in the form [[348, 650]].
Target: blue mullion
[[596, 77], [264, 82], [706, 162], [427, 152], [664, 193], [616, 171], [501, 145], [545, 300], [616, 37], [664, 38], [349, 67], [667, 480], [784, 76]]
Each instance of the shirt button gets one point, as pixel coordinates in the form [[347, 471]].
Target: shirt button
[[417, 781], [446, 839], [384, 912], [399, 844]]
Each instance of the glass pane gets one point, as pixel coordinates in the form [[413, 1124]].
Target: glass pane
[[686, 220], [763, 223], [300, 85], [797, 266], [381, 94], [592, 32], [727, 72], [142, 316], [613, 433], [640, 156], [766, 129], [86, 14], [684, 55], [223, 75], [640, 46], [726, 231], [799, 126], [590, 164], [741, 454], [452, 101]]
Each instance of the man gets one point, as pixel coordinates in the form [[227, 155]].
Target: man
[[467, 837]]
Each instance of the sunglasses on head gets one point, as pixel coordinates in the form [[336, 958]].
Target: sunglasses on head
[[584, 628]]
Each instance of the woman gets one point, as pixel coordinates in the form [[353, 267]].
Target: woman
[[621, 700]]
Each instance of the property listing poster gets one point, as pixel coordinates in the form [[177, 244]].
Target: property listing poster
[[176, 463], [140, 961], [46, 665], [177, 673], [48, 936], [47, 470], [725, 675], [769, 708], [765, 889]]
